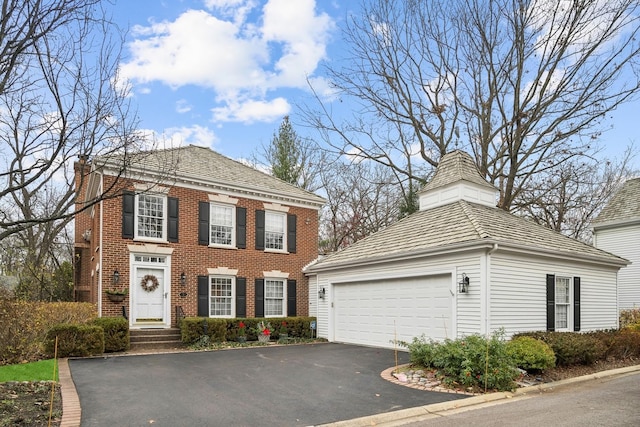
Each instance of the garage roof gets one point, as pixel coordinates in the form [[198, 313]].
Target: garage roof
[[623, 207], [461, 225]]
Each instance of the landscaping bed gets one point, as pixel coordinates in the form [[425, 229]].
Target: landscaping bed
[[24, 403]]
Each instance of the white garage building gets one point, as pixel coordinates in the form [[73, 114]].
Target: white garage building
[[461, 266]]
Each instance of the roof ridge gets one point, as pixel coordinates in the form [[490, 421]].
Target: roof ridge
[[468, 211]]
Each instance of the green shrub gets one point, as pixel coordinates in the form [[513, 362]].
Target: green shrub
[[531, 354], [471, 362], [420, 351], [116, 333], [572, 348], [75, 340], [25, 325], [220, 330]]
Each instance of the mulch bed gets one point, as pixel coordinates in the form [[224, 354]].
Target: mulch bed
[[25, 403]]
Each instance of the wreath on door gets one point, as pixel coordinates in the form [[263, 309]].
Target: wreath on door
[[149, 283]]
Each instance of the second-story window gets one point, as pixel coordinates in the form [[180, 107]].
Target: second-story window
[[222, 225], [151, 216], [275, 230]]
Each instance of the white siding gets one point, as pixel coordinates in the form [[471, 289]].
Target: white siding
[[518, 293], [624, 241]]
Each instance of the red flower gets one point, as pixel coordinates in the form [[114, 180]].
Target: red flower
[[241, 324], [266, 331]]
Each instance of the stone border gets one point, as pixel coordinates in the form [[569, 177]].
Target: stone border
[[71, 411], [387, 374]]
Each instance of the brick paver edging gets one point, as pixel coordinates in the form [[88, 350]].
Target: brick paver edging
[[71, 411]]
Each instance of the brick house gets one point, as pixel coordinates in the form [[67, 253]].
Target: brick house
[[191, 231]]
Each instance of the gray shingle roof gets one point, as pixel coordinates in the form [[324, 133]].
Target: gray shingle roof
[[201, 164], [456, 166], [623, 206], [461, 224]]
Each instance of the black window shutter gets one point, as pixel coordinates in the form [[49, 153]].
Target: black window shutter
[[241, 297], [576, 304], [172, 207], [128, 213], [260, 230], [203, 296], [259, 298], [291, 234], [241, 228], [291, 298], [203, 223], [551, 302]]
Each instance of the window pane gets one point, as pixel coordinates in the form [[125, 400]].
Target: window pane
[[562, 290], [221, 296], [562, 316], [274, 297], [221, 225], [274, 230], [150, 216]]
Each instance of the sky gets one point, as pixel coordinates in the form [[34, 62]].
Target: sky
[[224, 73]]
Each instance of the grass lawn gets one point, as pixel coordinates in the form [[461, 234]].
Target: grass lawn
[[35, 371]]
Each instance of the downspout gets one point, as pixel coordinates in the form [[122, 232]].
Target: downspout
[[487, 294], [100, 251]]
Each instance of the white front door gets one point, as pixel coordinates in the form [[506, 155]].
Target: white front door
[[150, 292]]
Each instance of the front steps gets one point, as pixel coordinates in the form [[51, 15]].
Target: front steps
[[154, 339]]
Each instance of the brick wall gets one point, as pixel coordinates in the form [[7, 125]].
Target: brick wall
[[194, 259]]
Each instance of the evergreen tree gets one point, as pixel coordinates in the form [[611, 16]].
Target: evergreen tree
[[284, 153]]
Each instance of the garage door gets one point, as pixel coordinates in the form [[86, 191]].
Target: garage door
[[375, 312]]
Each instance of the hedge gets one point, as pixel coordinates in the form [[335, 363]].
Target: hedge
[[220, 330], [75, 340], [116, 333]]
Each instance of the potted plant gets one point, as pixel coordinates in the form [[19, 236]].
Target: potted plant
[[263, 331], [116, 295], [283, 333], [242, 332]]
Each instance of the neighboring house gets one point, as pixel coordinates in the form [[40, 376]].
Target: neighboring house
[[193, 231], [617, 230], [407, 279]]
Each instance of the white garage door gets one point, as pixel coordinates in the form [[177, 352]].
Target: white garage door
[[375, 313]]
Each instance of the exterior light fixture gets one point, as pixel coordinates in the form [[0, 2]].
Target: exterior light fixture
[[183, 279], [116, 277], [322, 293], [463, 285]]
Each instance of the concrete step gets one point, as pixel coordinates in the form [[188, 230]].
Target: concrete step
[[149, 339]]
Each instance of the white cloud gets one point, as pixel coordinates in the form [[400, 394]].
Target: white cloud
[[250, 111], [176, 137], [183, 106], [241, 60]]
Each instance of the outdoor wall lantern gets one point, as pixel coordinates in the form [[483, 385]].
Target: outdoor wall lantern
[[116, 277], [183, 279], [322, 293], [464, 284]]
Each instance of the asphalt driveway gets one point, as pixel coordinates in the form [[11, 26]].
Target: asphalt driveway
[[297, 385]]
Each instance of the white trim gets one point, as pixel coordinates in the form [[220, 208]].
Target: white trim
[[222, 271], [275, 274], [150, 248], [223, 198], [275, 207], [234, 226], [165, 219], [282, 280], [166, 267], [233, 295]]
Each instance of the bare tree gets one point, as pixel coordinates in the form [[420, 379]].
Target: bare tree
[[524, 85], [362, 198], [60, 100], [569, 197]]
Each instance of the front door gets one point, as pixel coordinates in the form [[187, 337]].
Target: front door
[[150, 292]]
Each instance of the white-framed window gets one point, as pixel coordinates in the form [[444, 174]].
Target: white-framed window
[[562, 303], [275, 231], [222, 225], [221, 296], [151, 216], [274, 298]]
